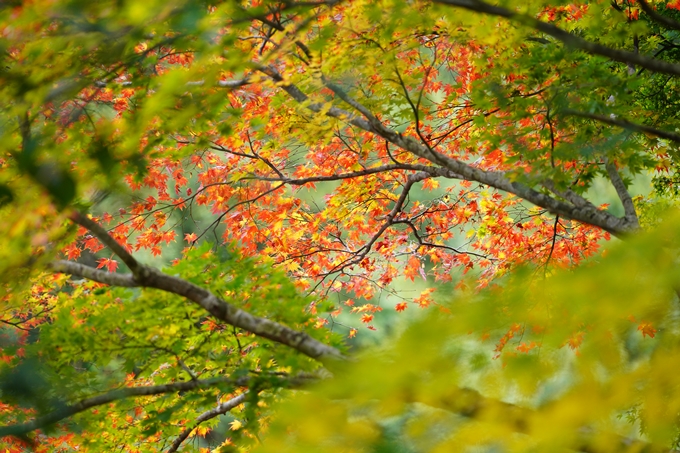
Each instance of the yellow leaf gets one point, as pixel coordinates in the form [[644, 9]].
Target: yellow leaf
[[235, 425]]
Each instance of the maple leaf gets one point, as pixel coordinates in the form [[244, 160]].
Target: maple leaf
[[292, 266], [110, 264], [72, 252], [366, 318], [235, 425], [242, 164], [424, 299], [412, 267], [524, 347], [575, 341], [647, 329], [366, 308], [430, 184], [168, 236], [92, 244], [120, 104]]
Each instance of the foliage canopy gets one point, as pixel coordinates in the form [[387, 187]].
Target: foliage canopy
[[205, 204]]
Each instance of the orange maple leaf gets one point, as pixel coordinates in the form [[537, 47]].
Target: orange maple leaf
[[168, 236], [424, 300], [647, 329], [574, 342], [524, 347], [412, 268]]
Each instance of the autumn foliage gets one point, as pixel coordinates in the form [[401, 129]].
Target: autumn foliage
[[207, 205]]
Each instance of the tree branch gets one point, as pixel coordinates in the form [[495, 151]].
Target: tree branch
[[224, 83], [90, 273], [567, 38], [109, 397], [106, 239], [340, 176], [361, 253], [625, 124], [622, 192], [569, 195], [658, 18], [221, 408], [149, 277], [586, 213], [67, 411]]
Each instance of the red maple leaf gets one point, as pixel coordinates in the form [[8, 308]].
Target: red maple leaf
[[110, 264], [72, 252]]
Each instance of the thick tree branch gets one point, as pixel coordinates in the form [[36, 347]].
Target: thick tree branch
[[339, 92], [90, 273], [224, 83], [569, 195], [221, 408], [567, 38], [149, 277], [302, 98], [586, 213]]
